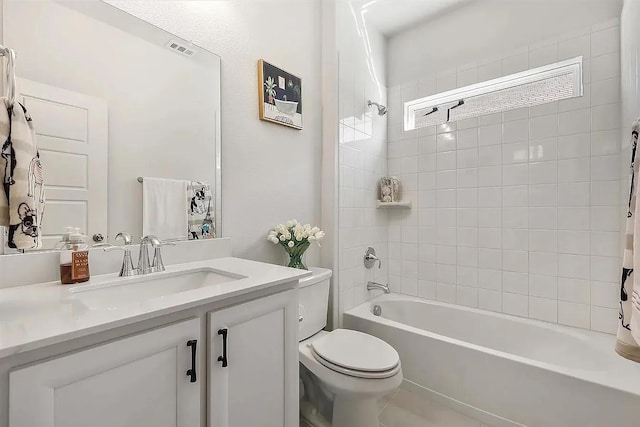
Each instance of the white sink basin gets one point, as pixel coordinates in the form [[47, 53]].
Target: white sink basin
[[122, 291]]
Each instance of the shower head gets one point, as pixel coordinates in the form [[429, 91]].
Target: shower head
[[382, 110]]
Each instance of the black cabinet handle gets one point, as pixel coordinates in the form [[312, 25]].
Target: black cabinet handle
[[191, 373], [223, 358]]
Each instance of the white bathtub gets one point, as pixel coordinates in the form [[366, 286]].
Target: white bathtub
[[504, 370]]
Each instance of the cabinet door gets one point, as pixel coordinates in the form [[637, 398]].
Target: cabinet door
[[259, 384], [133, 382]]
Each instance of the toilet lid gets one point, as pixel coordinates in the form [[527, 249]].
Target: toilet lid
[[356, 351]]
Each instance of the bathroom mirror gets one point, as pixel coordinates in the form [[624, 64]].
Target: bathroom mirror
[[113, 98]]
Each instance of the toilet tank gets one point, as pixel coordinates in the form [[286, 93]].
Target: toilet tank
[[313, 300]]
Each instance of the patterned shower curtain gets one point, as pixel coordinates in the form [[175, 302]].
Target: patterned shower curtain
[[628, 336]]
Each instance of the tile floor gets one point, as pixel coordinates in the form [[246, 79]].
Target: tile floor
[[403, 408], [406, 409]]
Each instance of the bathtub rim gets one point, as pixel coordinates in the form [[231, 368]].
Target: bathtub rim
[[608, 377]]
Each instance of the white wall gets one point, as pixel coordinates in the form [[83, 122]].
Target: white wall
[[630, 42], [516, 212], [270, 173], [160, 123], [481, 29], [362, 151]]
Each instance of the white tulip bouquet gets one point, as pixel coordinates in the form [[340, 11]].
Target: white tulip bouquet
[[295, 238]]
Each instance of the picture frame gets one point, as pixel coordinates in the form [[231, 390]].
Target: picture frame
[[279, 96]]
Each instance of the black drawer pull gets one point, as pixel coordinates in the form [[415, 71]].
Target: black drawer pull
[[223, 358], [191, 373]]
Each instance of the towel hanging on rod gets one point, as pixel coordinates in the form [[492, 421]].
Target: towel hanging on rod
[[10, 73], [22, 204]]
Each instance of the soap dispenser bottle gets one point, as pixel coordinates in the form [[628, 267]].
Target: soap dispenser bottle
[[74, 257]]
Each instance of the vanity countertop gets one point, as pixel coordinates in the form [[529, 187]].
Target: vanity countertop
[[35, 316]]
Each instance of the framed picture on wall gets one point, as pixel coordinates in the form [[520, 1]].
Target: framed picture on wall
[[280, 95]]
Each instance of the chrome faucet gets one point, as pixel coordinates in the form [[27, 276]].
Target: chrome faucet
[[127, 264], [144, 266], [375, 285]]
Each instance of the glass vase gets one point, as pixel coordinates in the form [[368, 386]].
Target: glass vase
[[295, 255]]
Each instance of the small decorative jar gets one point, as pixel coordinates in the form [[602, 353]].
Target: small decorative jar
[[389, 189]]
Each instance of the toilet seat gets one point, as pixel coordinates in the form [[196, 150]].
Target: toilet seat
[[356, 354]]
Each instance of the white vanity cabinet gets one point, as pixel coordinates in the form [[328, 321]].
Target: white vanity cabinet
[[132, 382], [253, 363]]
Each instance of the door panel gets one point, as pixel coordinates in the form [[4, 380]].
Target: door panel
[[73, 142], [56, 118], [257, 376], [262, 370], [103, 395], [75, 177], [64, 212], [133, 382]]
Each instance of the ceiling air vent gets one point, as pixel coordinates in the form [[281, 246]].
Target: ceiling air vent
[[537, 86], [180, 48]]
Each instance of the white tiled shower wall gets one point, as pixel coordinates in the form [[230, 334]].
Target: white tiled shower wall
[[516, 212], [363, 157]]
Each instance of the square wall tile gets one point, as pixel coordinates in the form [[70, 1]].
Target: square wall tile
[[514, 304], [516, 283], [490, 134], [605, 41], [490, 300], [515, 131], [468, 138], [574, 266], [543, 286], [574, 290], [573, 146], [541, 150], [490, 279], [605, 66], [446, 292], [467, 296], [543, 309], [604, 319], [572, 314]]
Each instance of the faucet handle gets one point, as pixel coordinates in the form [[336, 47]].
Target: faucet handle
[[152, 240], [125, 237], [127, 263], [157, 264], [370, 258]]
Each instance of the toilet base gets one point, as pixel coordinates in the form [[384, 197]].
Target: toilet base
[[355, 412], [311, 415]]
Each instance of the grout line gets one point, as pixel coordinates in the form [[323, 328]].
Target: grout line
[[388, 401]]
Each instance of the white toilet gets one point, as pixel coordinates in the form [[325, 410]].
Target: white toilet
[[343, 372]]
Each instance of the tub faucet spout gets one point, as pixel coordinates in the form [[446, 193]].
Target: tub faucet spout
[[375, 285]]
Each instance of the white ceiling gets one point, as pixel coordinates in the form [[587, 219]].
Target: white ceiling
[[392, 16]]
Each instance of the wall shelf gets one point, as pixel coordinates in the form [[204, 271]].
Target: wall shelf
[[401, 205]]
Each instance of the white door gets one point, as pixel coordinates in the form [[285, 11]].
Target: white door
[[134, 382], [259, 384], [72, 131]]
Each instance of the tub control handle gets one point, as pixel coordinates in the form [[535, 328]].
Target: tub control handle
[[223, 358], [370, 258]]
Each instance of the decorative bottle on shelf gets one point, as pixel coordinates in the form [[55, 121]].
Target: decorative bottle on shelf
[[389, 189], [74, 257]]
